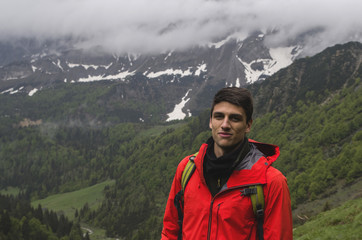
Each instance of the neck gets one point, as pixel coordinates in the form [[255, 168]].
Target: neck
[[222, 151]]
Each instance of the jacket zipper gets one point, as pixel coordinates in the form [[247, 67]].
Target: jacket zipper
[[210, 219], [212, 203], [217, 218]]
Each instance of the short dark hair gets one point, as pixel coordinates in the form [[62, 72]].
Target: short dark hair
[[238, 96]]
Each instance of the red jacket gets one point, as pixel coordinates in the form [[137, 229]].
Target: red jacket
[[229, 215]]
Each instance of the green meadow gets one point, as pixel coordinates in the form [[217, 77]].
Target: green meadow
[[67, 203], [344, 223], [10, 191]]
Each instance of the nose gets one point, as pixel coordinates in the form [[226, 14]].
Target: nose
[[225, 123]]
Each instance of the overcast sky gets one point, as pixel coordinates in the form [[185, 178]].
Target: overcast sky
[[158, 25]]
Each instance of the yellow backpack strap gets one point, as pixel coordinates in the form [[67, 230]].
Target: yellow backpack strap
[[257, 200], [178, 201], [188, 171]]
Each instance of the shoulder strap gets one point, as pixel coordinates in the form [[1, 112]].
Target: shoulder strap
[[178, 201], [188, 171], [257, 200]]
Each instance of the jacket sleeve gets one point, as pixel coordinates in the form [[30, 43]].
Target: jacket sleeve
[[278, 223], [170, 226]]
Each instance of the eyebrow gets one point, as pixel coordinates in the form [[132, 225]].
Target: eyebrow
[[218, 114], [236, 115], [231, 115]]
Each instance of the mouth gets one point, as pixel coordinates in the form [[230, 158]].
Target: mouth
[[225, 134]]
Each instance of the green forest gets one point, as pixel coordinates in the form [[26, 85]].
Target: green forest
[[319, 135], [18, 220]]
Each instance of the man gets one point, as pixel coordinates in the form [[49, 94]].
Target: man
[[215, 205]]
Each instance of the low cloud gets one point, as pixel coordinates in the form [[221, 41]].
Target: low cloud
[[141, 26]]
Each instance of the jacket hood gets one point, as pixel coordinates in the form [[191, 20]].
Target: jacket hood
[[270, 151], [260, 154]]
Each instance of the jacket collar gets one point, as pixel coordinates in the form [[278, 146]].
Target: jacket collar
[[257, 151]]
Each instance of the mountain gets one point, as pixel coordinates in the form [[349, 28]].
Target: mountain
[[311, 78], [179, 81], [311, 109]]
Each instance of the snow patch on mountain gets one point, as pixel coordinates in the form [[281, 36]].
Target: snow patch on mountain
[[252, 75], [200, 68], [87, 66], [15, 91], [177, 113], [132, 57], [121, 76], [236, 36], [218, 44], [32, 92], [281, 58], [12, 90], [170, 71], [237, 83], [7, 91], [58, 65], [168, 55]]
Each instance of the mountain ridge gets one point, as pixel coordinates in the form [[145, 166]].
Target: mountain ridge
[[233, 62], [145, 100]]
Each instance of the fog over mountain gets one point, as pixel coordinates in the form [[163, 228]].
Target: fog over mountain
[[145, 26]]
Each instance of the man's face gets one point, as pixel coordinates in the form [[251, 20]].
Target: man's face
[[228, 125]]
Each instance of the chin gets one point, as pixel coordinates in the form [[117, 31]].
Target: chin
[[227, 147]]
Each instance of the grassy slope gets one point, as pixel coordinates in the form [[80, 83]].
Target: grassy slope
[[344, 222], [10, 191], [341, 193], [68, 202]]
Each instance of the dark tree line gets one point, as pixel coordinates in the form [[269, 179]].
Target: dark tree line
[[18, 221]]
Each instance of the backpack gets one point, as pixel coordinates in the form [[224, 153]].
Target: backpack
[[254, 191]]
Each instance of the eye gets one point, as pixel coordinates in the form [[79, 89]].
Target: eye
[[236, 118], [218, 116]]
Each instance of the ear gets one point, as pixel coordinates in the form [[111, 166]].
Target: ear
[[248, 126], [210, 124]]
